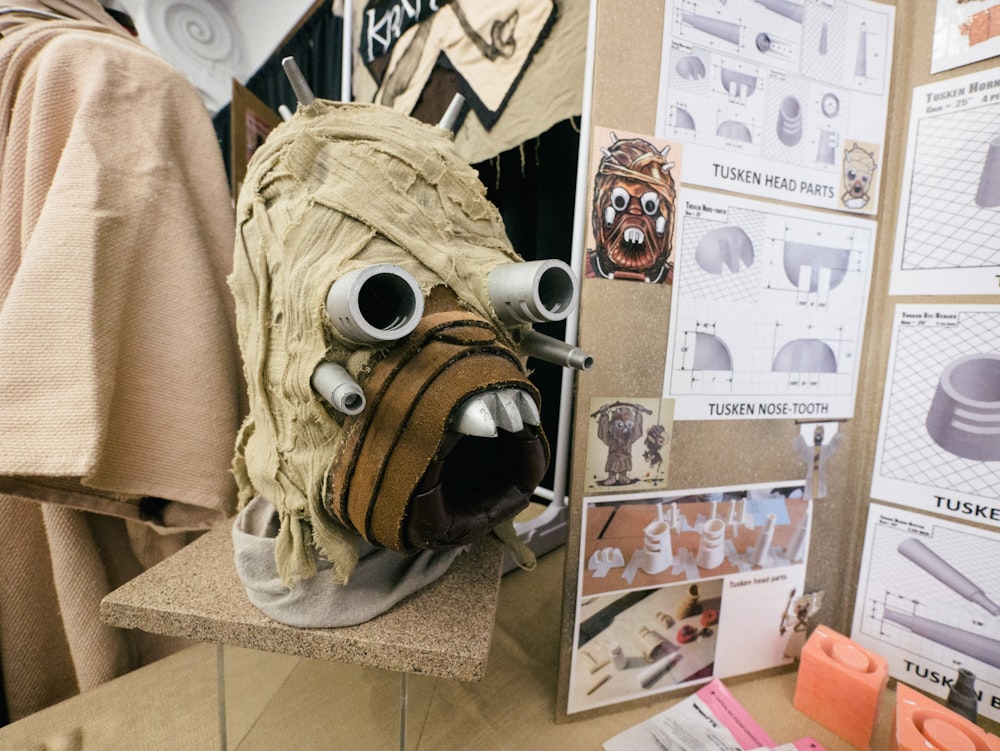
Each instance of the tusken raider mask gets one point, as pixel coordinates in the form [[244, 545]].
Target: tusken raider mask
[[384, 321]]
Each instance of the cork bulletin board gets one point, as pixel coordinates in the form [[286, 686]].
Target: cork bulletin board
[[724, 455]]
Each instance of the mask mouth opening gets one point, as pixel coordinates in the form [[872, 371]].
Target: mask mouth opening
[[472, 485], [421, 468]]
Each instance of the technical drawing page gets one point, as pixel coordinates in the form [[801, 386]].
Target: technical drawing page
[[939, 435], [927, 601], [963, 34], [768, 310], [673, 586], [784, 98], [948, 231]]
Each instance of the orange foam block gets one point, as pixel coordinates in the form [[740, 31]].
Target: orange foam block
[[840, 685], [922, 724]]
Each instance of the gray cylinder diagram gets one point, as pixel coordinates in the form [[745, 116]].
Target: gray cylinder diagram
[[717, 27], [988, 193], [785, 8], [826, 147], [944, 572], [789, 126], [964, 416], [971, 644]]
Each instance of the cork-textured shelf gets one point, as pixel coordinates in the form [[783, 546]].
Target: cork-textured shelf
[[443, 630]]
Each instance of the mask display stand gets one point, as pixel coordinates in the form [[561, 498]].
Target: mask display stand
[[444, 630]]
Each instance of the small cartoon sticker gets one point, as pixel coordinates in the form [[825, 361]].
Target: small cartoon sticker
[[858, 176], [629, 444]]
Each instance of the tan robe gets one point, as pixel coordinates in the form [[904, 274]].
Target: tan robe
[[119, 375]]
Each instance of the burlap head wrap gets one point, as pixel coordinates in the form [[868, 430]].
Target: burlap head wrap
[[338, 187]]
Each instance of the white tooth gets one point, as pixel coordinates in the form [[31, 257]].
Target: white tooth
[[661, 225], [529, 412], [609, 215], [507, 415], [634, 236], [474, 418]]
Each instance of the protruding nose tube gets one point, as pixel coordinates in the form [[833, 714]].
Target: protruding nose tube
[[335, 385], [552, 350], [533, 292], [380, 303]]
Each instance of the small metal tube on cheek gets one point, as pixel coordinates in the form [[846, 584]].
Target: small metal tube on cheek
[[552, 350], [335, 385]]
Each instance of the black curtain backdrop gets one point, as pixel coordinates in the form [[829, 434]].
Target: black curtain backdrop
[[316, 48]]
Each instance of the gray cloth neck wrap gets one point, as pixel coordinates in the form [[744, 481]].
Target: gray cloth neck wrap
[[382, 577]]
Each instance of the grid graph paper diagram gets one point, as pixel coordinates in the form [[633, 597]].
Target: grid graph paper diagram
[[891, 581], [779, 90], [768, 302], [948, 233], [910, 467]]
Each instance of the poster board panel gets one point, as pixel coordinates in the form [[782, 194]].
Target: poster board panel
[[624, 325]]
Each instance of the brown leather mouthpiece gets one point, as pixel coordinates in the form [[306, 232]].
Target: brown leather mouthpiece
[[401, 478]]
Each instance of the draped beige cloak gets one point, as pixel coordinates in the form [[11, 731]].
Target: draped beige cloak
[[119, 376]]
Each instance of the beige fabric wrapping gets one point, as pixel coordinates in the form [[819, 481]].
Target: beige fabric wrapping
[[119, 376], [338, 187]]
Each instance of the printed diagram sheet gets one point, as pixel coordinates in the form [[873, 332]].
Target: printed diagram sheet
[[964, 33], [768, 310], [929, 601], [783, 98], [672, 587], [939, 437], [948, 231]]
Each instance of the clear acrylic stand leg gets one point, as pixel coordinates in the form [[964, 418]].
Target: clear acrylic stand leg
[[220, 684], [402, 712]]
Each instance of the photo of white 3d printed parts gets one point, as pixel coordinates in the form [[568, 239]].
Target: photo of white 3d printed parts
[[929, 601], [963, 34], [774, 95], [939, 436], [768, 310], [949, 207], [674, 586]]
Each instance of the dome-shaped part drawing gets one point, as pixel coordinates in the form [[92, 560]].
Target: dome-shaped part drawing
[[737, 83], [813, 259], [711, 353], [734, 130], [683, 119], [805, 356], [726, 247], [964, 416]]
